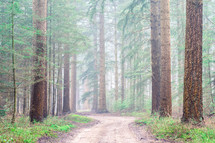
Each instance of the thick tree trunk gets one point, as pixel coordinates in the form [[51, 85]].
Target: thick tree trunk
[[102, 90], [66, 98], [155, 54], [193, 106], [39, 44], [165, 84], [73, 83]]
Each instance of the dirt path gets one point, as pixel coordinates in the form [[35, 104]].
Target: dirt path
[[111, 129]]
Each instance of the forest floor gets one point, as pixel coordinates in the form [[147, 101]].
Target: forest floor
[[110, 129]]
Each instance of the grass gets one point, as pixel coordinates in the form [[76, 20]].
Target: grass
[[24, 132], [169, 128], [78, 118]]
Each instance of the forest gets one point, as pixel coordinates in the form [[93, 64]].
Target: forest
[[112, 71]]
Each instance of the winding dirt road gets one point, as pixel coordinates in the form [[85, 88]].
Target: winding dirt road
[[111, 129]]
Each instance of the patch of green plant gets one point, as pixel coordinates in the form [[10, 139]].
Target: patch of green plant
[[78, 118], [24, 131], [168, 128]]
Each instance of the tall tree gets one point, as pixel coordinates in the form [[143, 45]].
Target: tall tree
[[116, 53], [66, 98], [102, 90], [14, 68], [73, 83], [155, 54], [192, 103], [95, 86], [165, 84], [39, 44]]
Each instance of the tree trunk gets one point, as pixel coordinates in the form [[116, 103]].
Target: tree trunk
[[192, 105], [116, 55], [14, 69], [122, 74], [155, 54], [95, 86], [73, 83], [45, 107], [60, 83], [50, 58], [24, 100], [66, 99], [102, 90], [165, 84], [53, 81], [39, 44]]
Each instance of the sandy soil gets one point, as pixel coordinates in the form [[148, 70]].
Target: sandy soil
[[111, 129]]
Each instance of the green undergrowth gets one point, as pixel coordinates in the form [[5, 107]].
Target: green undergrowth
[[78, 118], [25, 132], [168, 128]]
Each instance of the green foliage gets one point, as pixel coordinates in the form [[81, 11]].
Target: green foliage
[[78, 118], [173, 129], [2, 112], [23, 131]]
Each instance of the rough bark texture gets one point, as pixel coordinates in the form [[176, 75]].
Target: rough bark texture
[[155, 54], [193, 106], [66, 99], [165, 84], [39, 44], [73, 83], [102, 90]]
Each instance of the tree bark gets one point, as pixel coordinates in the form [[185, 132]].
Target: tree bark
[[66, 98], [95, 86], [53, 80], [165, 84], [116, 55], [192, 103], [155, 54], [73, 83], [39, 44], [60, 83], [102, 91]]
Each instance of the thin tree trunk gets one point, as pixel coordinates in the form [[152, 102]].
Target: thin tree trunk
[[66, 98], [116, 55], [39, 43], [50, 57], [193, 105], [24, 100], [165, 84], [14, 69], [53, 80], [122, 73], [60, 83], [73, 83]]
